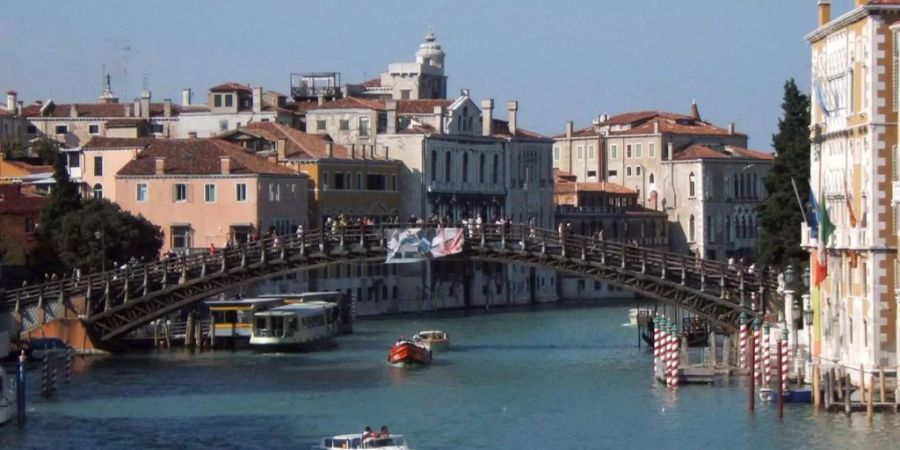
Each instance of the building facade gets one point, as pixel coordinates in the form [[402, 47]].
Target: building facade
[[852, 164], [205, 192]]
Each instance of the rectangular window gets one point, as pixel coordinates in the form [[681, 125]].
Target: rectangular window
[[320, 125], [181, 237], [628, 171], [209, 193], [32, 129], [241, 192], [344, 124], [142, 194], [628, 151], [75, 160], [651, 150], [591, 152], [324, 180], [613, 173], [580, 152], [180, 193], [158, 127], [339, 181], [98, 166], [393, 182], [229, 100], [404, 94], [217, 100], [592, 173], [556, 153], [62, 129], [359, 182], [638, 151], [613, 151], [364, 126], [376, 182], [94, 129], [637, 170]]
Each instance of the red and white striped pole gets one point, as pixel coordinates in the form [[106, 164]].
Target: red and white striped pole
[[743, 342], [676, 358], [785, 358], [663, 351], [757, 355], [767, 357], [669, 361]]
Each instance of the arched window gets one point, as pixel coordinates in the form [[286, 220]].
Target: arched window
[[447, 162], [481, 168], [496, 169], [735, 193], [433, 165], [727, 229], [465, 171], [691, 225], [691, 187], [98, 191], [753, 187]]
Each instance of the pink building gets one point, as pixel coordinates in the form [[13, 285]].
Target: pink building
[[204, 192]]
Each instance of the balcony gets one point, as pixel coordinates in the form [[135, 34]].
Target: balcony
[[465, 188]]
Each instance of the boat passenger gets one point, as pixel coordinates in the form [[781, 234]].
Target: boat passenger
[[384, 432], [368, 433]]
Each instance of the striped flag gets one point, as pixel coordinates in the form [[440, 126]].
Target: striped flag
[[826, 229]]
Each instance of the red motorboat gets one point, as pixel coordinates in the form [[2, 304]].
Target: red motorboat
[[406, 352]]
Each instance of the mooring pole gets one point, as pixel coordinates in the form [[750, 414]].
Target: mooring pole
[[751, 395], [20, 390], [781, 375]]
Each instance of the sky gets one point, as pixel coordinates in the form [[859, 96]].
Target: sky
[[562, 59]]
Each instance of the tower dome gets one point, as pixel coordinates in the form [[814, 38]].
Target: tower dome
[[430, 51]]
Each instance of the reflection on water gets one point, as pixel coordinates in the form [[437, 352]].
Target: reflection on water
[[560, 378]]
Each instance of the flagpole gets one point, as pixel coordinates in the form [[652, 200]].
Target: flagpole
[[799, 203]]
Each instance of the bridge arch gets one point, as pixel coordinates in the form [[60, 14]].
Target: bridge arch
[[115, 303]]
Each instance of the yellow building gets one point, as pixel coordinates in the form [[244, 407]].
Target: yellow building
[[853, 150]]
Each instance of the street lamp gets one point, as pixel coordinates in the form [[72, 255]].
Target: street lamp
[[807, 307]]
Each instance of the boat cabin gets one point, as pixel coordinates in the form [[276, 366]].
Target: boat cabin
[[355, 441]]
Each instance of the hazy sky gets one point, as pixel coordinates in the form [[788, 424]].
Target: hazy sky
[[562, 59]]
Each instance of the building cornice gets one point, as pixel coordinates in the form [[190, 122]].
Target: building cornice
[[847, 19]]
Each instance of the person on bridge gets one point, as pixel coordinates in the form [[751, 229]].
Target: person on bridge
[[212, 249]]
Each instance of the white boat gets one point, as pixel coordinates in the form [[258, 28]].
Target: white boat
[[296, 326], [8, 399], [433, 339], [345, 441], [639, 316]]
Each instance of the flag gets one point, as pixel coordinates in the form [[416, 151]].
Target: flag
[[826, 228], [812, 222], [820, 266], [849, 205]]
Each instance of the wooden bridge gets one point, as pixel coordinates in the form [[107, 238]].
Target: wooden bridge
[[113, 303]]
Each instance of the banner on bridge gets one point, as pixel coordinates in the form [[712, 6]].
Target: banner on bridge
[[406, 245]]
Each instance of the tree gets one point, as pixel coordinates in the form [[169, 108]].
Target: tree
[[779, 215], [125, 236], [64, 198], [46, 149], [11, 148]]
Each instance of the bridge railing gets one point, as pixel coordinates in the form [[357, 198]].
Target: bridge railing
[[135, 276]]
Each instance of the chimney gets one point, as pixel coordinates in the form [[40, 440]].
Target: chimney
[[136, 109], [281, 148], [669, 149], [391, 107], [655, 127], [321, 99], [569, 129], [257, 100], [225, 164], [145, 104], [329, 149], [513, 108], [19, 105], [695, 111], [11, 101], [352, 151], [487, 117], [73, 111], [825, 11], [167, 107], [439, 115], [192, 135], [731, 128], [160, 165], [186, 97]]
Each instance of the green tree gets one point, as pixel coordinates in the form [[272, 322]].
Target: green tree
[[780, 215], [125, 236], [11, 148], [46, 149], [64, 198]]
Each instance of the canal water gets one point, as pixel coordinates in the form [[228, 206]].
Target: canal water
[[555, 378]]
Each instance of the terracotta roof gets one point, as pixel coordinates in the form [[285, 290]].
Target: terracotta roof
[[501, 129], [95, 110], [199, 157], [300, 145], [698, 152], [109, 142], [353, 103], [374, 82], [28, 167], [425, 106], [301, 107], [231, 87], [14, 201], [739, 152], [670, 126]]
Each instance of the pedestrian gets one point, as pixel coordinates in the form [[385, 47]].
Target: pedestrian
[[212, 249]]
